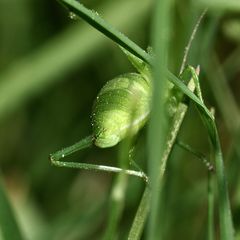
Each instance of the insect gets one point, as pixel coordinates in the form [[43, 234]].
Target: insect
[[121, 109], [112, 117]]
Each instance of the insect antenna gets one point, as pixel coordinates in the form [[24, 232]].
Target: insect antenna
[[187, 48]]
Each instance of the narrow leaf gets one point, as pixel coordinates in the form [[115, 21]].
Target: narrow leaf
[[100, 24]]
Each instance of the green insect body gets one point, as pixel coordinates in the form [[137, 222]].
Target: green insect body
[[121, 108]]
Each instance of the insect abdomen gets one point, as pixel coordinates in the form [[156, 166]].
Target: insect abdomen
[[121, 108]]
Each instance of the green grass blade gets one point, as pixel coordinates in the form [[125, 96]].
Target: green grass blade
[[143, 208], [158, 124], [210, 230], [118, 192], [100, 24], [8, 224], [141, 216], [178, 83], [117, 203], [97, 22], [226, 224]]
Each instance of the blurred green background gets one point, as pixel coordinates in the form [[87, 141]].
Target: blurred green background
[[51, 69]]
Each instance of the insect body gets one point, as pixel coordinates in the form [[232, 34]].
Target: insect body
[[121, 107]]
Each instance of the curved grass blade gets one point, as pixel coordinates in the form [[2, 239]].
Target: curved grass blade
[[225, 216], [8, 224], [100, 24]]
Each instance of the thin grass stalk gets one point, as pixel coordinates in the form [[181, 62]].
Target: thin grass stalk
[[210, 229], [143, 208], [157, 131], [226, 224], [117, 202], [118, 193], [225, 216], [230, 112]]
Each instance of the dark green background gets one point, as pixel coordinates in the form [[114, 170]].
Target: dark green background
[[51, 69]]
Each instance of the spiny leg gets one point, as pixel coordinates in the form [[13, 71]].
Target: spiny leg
[[196, 153], [135, 165], [210, 181], [83, 144]]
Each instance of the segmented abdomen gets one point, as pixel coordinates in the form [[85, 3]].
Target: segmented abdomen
[[121, 108]]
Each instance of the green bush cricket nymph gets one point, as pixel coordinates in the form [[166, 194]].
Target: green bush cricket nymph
[[120, 110], [112, 115], [122, 106]]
